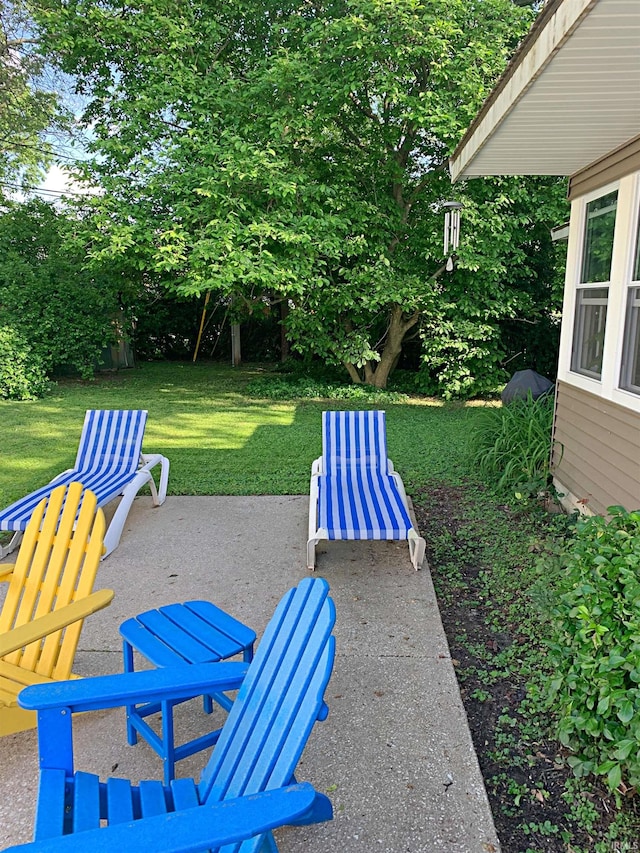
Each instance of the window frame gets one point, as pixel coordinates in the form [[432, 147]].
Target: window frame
[[630, 351], [582, 309], [608, 386], [585, 304]]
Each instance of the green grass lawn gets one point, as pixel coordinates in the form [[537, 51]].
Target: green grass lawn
[[219, 440]]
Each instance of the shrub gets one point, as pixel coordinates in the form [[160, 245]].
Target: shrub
[[22, 374], [460, 358], [595, 652], [294, 388], [46, 295], [511, 445]]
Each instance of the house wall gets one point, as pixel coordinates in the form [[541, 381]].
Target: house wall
[[596, 451], [597, 422], [623, 248]]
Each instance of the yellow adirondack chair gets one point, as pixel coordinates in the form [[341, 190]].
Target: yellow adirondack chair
[[48, 597]]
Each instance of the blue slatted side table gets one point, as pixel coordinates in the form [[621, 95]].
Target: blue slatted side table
[[189, 633]]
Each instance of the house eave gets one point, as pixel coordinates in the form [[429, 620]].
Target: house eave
[[569, 95]]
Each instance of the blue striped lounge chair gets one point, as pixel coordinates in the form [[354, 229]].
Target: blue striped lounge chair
[[355, 493], [110, 462]]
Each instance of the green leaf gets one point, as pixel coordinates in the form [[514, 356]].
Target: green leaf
[[625, 748], [614, 777], [625, 711]]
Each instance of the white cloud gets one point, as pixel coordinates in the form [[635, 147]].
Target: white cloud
[[58, 180]]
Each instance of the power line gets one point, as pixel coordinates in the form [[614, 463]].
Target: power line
[[42, 190], [40, 150]]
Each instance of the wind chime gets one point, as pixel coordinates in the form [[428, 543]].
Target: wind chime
[[451, 231]]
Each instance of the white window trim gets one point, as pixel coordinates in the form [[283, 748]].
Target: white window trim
[[621, 271], [630, 283]]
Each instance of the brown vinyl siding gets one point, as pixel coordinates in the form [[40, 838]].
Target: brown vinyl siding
[[615, 165], [597, 449]]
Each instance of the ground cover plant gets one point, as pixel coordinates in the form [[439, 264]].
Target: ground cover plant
[[490, 564], [496, 561]]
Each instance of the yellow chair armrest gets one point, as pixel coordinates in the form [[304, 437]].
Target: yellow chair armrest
[[56, 621], [6, 570]]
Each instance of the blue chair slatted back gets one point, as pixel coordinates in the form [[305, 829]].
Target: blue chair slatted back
[[279, 701], [354, 441]]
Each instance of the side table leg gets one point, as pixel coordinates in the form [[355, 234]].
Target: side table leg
[[168, 744], [127, 656]]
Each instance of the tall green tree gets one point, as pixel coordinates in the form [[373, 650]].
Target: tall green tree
[[29, 105], [290, 151], [500, 310]]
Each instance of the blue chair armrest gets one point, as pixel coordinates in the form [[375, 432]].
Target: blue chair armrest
[[111, 691], [199, 828]]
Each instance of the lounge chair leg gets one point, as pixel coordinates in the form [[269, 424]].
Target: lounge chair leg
[[311, 555], [417, 548], [13, 544], [159, 493]]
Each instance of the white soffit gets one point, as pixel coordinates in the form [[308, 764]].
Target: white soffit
[[570, 95]]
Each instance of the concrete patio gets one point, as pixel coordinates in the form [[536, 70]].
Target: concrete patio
[[395, 754]]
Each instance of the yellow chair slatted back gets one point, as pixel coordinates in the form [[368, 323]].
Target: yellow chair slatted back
[[56, 565]]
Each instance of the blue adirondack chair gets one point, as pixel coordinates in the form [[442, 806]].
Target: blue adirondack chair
[[110, 462], [213, 825], [355, 493], [280, 698]]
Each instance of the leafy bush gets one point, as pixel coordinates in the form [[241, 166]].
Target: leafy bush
[[460, 359], [595, 653], [61, 310], [511, 445], [22, 374], [292, 388]]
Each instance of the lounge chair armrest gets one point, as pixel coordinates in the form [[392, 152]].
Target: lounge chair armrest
[[316, 467], [60, 476], [112, 691], [199, 828], [55, 621], [150, 459]]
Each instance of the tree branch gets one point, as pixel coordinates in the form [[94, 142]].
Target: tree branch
[[365, 110]]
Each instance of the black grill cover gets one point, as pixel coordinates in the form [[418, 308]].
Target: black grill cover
[[524, 381]]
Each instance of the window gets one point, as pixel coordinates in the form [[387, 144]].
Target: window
[[588, 330], [591, 298], [630, 369], [598, 238]]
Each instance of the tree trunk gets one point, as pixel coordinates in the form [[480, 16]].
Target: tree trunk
[[284, 341], [398, 328], [353, 373], [236, 354]]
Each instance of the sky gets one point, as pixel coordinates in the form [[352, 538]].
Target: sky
[[57, 180]]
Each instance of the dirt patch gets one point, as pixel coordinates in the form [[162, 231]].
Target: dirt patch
[[523, 772]]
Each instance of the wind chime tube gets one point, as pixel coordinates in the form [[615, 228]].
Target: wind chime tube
[[451, 226], [455, 229]]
